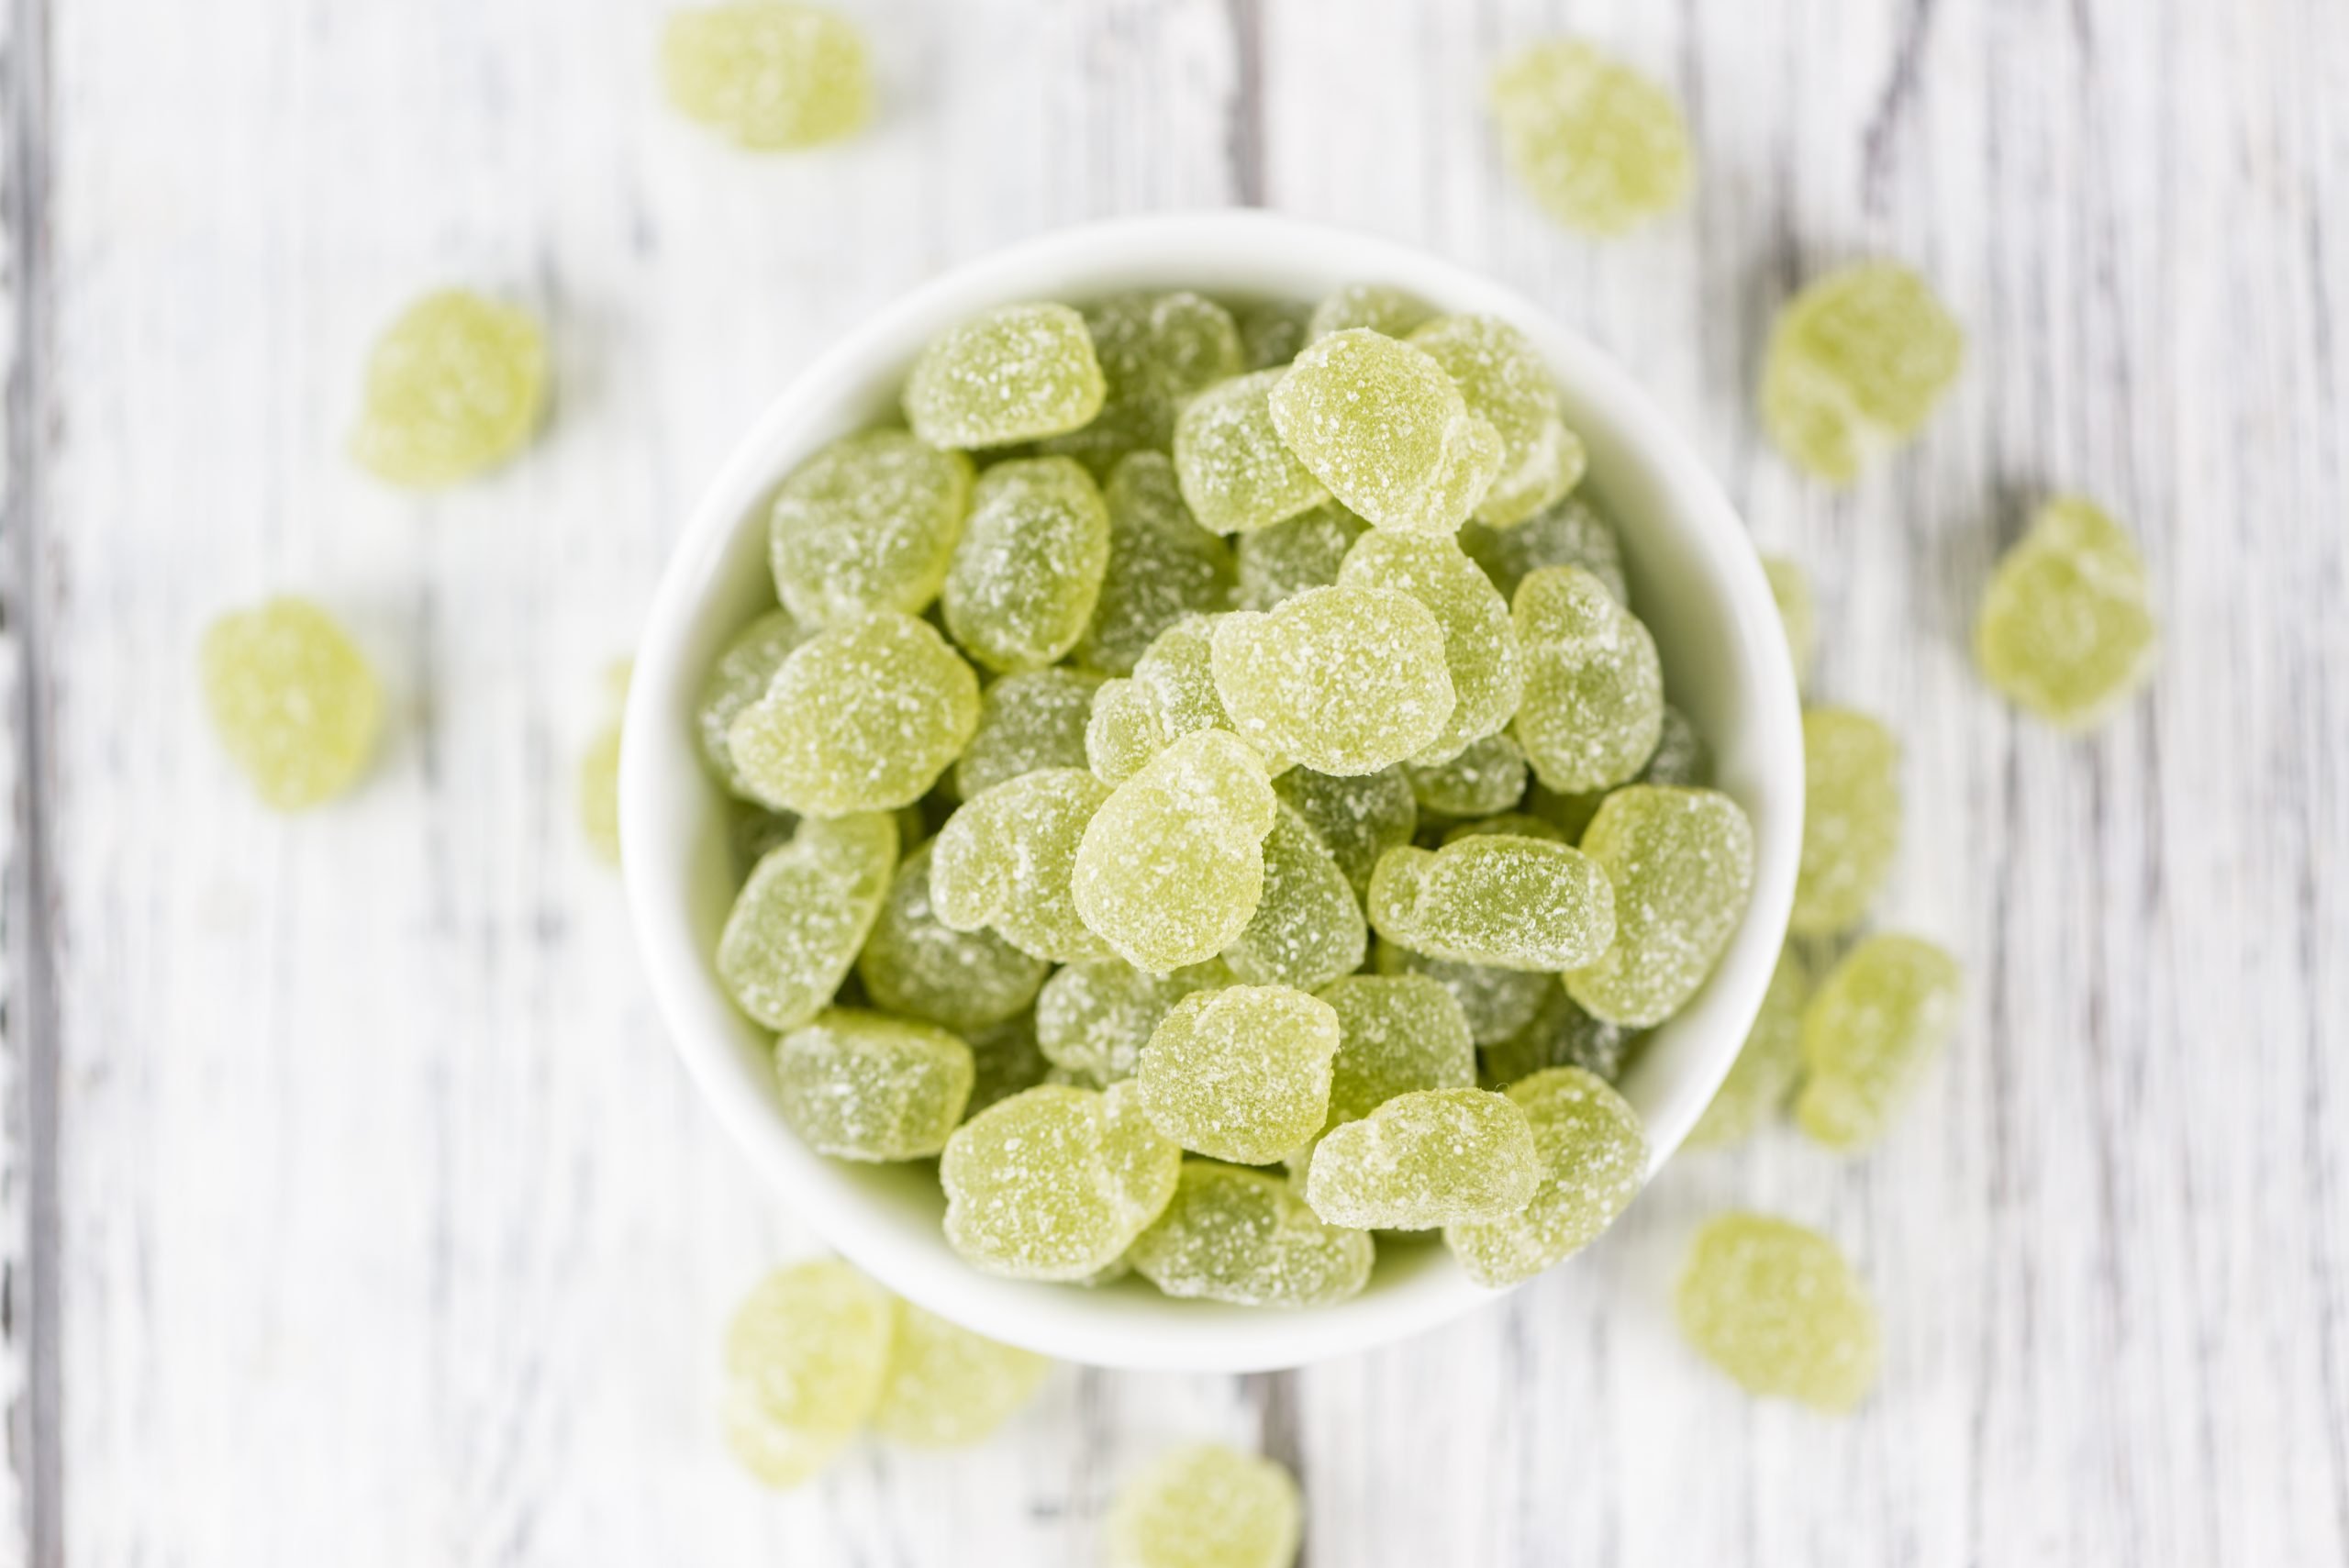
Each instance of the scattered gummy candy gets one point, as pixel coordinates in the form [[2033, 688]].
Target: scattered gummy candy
[[1850, 823], [1593, 687], [1791, 589], [1307, 929], [1055, 1182], [868, 523], [1172, 866], [1162, 566], [1776, 1306], [1764, 1074], [454, 385], [1599, 145], [861, 1085], [1874, 1022], [1593, 1155], [1570, 533], [2066, 629], [1207, 1506], [1015, 373], [1506, 383], [1682, 864], [1385, 429], [1005, 860], [1027, 722], [771, 75], [806, 1357], [946, 1387], [1297, 554], [1246, 1237], [1357, 818], [1344, 680], [798, 924], [1855, 365], [914, 963], [1425, 1159], [1155, 351], [1380, 307], [1028, 571], [293, 701], [1496, 899], [740, 678], [1240, 1074], [1234, 470], [1480, 648], [598, 784]]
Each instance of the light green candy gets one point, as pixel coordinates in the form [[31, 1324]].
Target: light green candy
[[1506, 383], [1868, 1032], [862, 717], [1381, 424], [1055, 1182], [946, 1387], [1856, 363], [1569, 533], [1005, 1059], [917, 964], [1561, 1035], [1396, 1035], [1764, 1074], [1015, 373], [1496, 1003], [1776, 1307], [293, 701], [1246, 1237], [861, 1085], [2066, 629], [1850, 825], [1171, 693], [1236, 475], [1790, 591], [1240, 1074], [1155, 350], [1006, 857], [1027, 571], [1344, 680], [1524, 825], [1378, 307], [805, 1356], [1496, 899], [1425, 1159], [1599, 146], [753, 830], [597, 791], [1307, 929], [1357, 818], [1272, 334], [799, 920], [1207, 1506], [1681, 756], [1488, 777], [1162, 566], [1594, 1156], [1682, 864], [455, 387], [868, 523], [1172, 866], [1305, 551], [1093, 1018], [1030, 721], [1480, 649], [740, 678], [770, 74], [1593, 687]]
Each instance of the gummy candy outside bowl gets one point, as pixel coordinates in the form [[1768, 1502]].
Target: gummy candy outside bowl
[[1695, 578]]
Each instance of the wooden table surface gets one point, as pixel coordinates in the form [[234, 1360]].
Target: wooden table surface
[[355, 1209]]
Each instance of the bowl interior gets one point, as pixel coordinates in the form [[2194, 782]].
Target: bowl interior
[[1695, 581]]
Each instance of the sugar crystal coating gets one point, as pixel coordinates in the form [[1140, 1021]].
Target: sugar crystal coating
[[455, 385], [1028, 571], [293, 701], [739, 678], [1344, 680], [1496, 899], [1561, 1035], [1681, 861], [1776, 1307], [1205, 1506], [1869, 1031], [2066, 629], [1172, 694], [1593, 687], [1523, 825], [1005, 860], [805, 1355], [1246, 1237], [1240, 1074], [1601, 147], [1856, 363], [914, 963], [1496, 1003], [1301, 552], [1424, 1159], [801, 919], [1506, 383], [868, 523], [1790, 591], [862, 1085], [1271, 334], [1480, 649], [1357, 818], [862, 717], [1307, 928], [1005, 1059], [1162, 566], [946, 1387], [1172, 866], [1094, 1018], [1594, 1155], [1155, 350], [1851, 825], [1055, 1182], [1032, 720], [1570, 533], [1380, 307], [771, 74], [1488, 776], [1681, 756], [1012, 374], [1396, 1035], [1235, 471], [1764, 1074], [1383, 426]]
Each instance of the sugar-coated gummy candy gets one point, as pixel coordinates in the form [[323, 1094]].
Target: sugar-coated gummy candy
[[293, 700], [1594, 1155], [455, 385], [1162, 566], [739, 678], [1307, 928], [1868, 1031], [1496, 1003], [1601, 147], [1851, 825], [1790, 591], [1681, 861], [916, 964], [1028, 571], [1172, 866], [1593, 687], [1357, 817], [1342, 680], [1379, 308], [771, 74], [752, 830], [1496, 899], [1004, 860], [868, 523], [805, 1355], [1055, 1182], [1236, 473], [1027, 722], [1506, 383], [1240, 1074], [1764, 1074], [1570, 533], [1561, 1035], [1480, 651], [1271, 334], [1094, 1018], [1428, 1158], [946, 1387], [1015, 373], [2066, 629], [1777, 1308], [1383, 426], [1205, 1506], [1855, 365], [862, 717], [1396, 1035], [1172, 694], [801, 919], [1301, 552], [1155, 351], [1681, 756], [1005, 1059], [1521, 824], [862, 1086], [1488, 777], [1247, 1237]]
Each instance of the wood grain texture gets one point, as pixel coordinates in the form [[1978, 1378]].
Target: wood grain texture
[[387, 1231]]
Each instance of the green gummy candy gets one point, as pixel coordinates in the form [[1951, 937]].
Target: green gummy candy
[[1569, 533], [1594, 1155], [1240, 1074], [1093, 1018], [1015, 373], [1599, 146], [1855, 365], [1172, 866], [1764, 1074], [1868, 1031], [1593, 709], [1307, 929], [1520, 824], [917, 964], [1488, 777], [1344, 680], [1156, 350], [1207, 1506], [1775, 1305], [1496, 1003], [1005, 860], [868, 523], [1305, 551], [1028, 571], [1790, 590], [740, 677], [862, 717], [293, 701], [1494, 899], [1561, 1035], [1246, 1237], [1272, 334], [805, 1355], [455, 385], [770, 74], [1162, 566], [1425, 1159], [2066, 629], [1681, 756], [946, 1387], [1235, 473], [1378, 307], [1850, 825], [1396, 1035], [1357, 818], [1383, 426], [1480, 651], [1055, 1182], [1006, 1059], [1681, 861], [751, 831], [1028, 722], [1172, 694], [861, 1085], [801, 919], [1506, 383]]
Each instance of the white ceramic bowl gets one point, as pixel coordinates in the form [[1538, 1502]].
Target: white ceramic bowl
[[1695, 581]]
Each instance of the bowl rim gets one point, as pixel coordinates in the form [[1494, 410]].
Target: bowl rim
[[1218, 252]]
